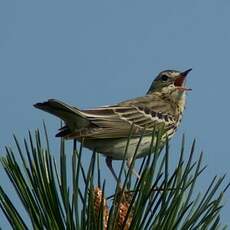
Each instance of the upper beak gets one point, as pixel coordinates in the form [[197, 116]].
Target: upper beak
[[185, 73], [179, 82]]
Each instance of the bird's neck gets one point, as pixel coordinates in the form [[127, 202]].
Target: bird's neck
[[181, 102], [177, 101]]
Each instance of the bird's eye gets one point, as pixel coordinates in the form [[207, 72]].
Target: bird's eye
[[164, 77]]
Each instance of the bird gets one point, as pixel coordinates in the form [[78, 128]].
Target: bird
[[105, 129]]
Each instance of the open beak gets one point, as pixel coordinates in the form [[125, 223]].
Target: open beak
[[179, 82]]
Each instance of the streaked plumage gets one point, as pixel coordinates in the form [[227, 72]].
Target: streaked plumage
[[105, 129]]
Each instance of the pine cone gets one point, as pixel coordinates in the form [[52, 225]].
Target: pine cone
[[98, 195], [123, 208]]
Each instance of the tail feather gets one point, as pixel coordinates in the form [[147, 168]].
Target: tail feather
[[72, 116], [64, 132]]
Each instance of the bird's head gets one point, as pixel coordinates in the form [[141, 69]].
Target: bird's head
[[170, 82]]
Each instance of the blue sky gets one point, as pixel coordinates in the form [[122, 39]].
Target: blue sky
[[101, 52]]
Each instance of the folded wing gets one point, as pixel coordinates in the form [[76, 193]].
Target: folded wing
[[108, 122]]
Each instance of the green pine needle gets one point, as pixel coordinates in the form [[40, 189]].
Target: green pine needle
[[63, 195]]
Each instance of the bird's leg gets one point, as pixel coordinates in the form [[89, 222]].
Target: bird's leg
[[108, 161], [128, 163]]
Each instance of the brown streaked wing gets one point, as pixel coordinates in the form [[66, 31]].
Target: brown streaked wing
[[146, 118], [116, 121]]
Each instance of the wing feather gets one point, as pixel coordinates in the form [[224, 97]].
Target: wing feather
[[118, 125], [115, 121]]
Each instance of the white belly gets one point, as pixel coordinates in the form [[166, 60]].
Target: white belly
[[115, 148]]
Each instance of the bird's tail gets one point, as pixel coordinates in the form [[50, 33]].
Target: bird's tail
[[72, 116]]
